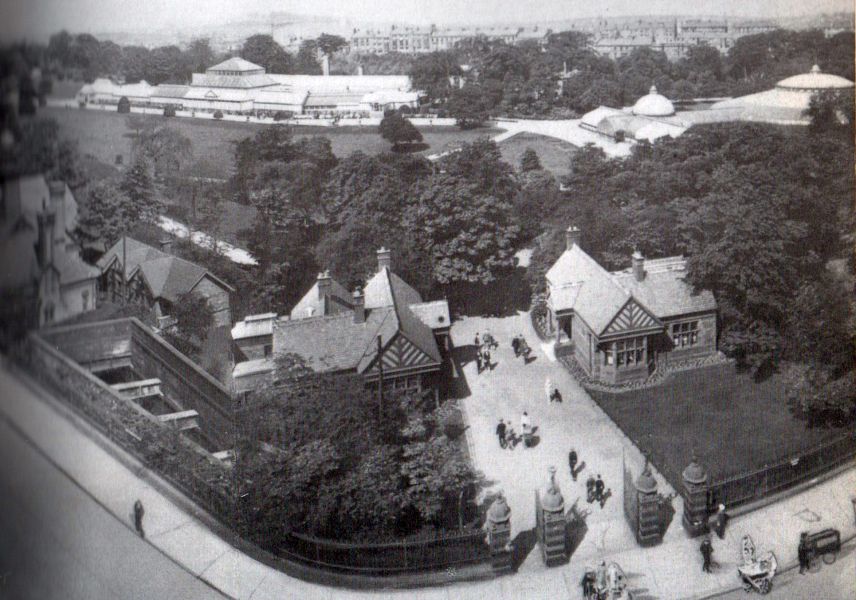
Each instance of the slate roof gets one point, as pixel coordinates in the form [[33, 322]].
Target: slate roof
[[311, 304], [230, 81], [664, 289], [72, 268], [577, 282], [254, 326], [168, 276], [434, 314], [336, 343]]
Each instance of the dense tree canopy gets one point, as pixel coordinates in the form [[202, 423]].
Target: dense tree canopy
[[397, 130], [263, 50]]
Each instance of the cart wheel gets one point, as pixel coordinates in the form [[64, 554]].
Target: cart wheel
[[765, 586], [814, 564], [829, 558]]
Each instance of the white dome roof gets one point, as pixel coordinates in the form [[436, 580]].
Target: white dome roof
[[653, 105], [814, 80]]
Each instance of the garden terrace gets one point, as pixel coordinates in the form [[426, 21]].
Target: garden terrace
[[739, 430]]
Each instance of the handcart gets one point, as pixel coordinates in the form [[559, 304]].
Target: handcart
[[756, 572]]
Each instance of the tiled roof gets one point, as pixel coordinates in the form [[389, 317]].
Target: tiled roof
[[338, 301], [216, 80], [384, 285], [72, 268], [168, 276], [434, 314], [577, 282], [336, 342], [254, 326], [664, 289], [597, 299]]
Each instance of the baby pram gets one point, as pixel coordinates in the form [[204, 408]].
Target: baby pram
[[605, 583], [756, 573]]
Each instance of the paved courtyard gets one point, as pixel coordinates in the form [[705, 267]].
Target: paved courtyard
[[513, 387]]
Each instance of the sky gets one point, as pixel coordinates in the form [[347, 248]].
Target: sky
[[36, 19]]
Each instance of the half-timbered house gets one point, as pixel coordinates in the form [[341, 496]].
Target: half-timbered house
[[619, 326], [158, 280], [385, 333]]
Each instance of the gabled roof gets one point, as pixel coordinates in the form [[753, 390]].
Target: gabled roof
[[385, 286], [312, 305], [591, 292], [236, 63], [167, 276], [335, 342], [72, 268], [577, 282], [664, 289]]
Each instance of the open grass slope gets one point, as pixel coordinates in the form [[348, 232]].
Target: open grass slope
[[733, 423], [103, 134], [555, 154]]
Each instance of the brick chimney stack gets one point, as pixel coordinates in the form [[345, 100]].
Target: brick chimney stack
[[638, 262], [572, 237], [384, 259], [57, 204], [359, 306]]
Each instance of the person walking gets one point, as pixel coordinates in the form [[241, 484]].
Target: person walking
[[598, 489], [138, 518], [590, 489], [500, 433], [479, 365], [706, 549], [477, 342], [572, 463], [803, 553], [486, 358], [720, 521], [515, 345]]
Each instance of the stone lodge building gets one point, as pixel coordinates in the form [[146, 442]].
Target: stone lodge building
[[620, 326], [334, 330]]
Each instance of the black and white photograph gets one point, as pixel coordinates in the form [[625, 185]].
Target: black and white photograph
[[427, 300]]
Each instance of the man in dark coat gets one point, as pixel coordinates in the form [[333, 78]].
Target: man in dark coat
[[590, 489], [138, 518], [500, 432], [598, 489], [572, 463], [515, 344], [803, 553], [706, 553]]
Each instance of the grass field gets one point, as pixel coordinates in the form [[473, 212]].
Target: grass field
[[733, 423], [555, 154], [103, 135]]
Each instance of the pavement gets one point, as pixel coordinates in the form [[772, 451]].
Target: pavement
[[671, 570]]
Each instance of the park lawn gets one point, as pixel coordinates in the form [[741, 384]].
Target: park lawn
[[733, 424], [555, 154], [103, 134]]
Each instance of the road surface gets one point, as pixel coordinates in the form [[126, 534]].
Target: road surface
[[830, 582], [56, 542]]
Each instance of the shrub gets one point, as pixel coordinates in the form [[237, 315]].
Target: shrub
[[619, 135], [124, 105], [169, 110], [282, 115], [405, 109], [218, 114]]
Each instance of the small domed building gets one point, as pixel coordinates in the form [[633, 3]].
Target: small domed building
[[651, 117], [785, 104]]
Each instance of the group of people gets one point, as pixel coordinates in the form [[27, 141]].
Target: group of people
[[520, 347], [483, 346], [506, 435], [596, 491]]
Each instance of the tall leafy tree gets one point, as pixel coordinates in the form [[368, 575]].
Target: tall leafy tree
[[396, 129], [263, 50]]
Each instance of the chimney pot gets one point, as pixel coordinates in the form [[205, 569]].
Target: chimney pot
[[384, 259], [572, 237], [359, 306], [638, 262]]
